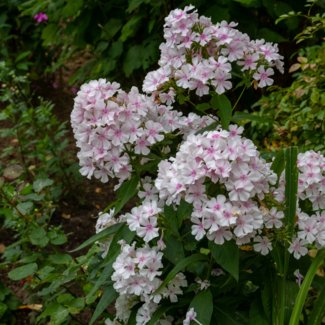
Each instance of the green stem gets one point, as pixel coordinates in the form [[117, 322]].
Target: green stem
[[302, 295], [239, 98], [210, 267]]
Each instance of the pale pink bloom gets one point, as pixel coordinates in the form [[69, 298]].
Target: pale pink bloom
[[263, 76], [201, 88], [219, 236], [299, 276], [221, 82], [183, 76], [103, 173], [250, 62], [197, 229], [119, 134], [153, 130], [264, 245], [141, 146], [297, 248], [222, 64], [272, 220], [149, 230]]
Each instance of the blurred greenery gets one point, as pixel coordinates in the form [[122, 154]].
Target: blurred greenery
[[119, 39]]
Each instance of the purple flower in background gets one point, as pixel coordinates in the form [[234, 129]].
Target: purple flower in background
[[54, 85], [75, 90], [39, 17], [32, 86]]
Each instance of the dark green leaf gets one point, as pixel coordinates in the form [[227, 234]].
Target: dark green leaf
[[174, 249], [12, 302], [71, 8], [203, 107], [223, 105], [210, 127], [22, 55], [256, 313], [101, 235], [61, 259], [23, 272], [109, 295], [188, 260], [25, 207], [126, 192], [270, 36], [227, 256], [203, 306]]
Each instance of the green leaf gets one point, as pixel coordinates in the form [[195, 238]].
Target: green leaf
[[75, 306], [132, 59], [38, 237], [23, 272], [126, 192], [227, 316], [22, 55], [185, 262], [114, 250], [203, 107], [60, 259], [12, 302], [41, 183], [303, 292], [51, 34], [227, 256], [278, 164], [256, 312], [210, 127], [174, 249], [267, 155], [163, 309], [3, 308], [101, 235], [25, 207], [109, 295], [134, 4], [223, 105], [66, 297], [239, 116], [277, 254], [318, 312], [56, 311], [71, 8], [113, 26], [291, 187], [203, 306], [184, 211], [171, 219], [270, 36]]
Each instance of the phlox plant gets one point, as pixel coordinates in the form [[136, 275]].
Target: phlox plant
[[217, 234]]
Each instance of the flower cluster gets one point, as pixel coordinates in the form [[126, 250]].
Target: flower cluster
[[110, 124], [136, 275], [232, 161], [199, 54], [311, 192]]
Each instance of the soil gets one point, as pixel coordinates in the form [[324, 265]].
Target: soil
[[81, 223]]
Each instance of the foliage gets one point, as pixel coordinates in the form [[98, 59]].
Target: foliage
[[8, 304], [44, 270], [298, 110], [119, 39], [38, 133]]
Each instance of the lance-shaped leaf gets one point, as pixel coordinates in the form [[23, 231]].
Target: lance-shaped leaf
[[240, 116], [181, 265], [223, 105], [203, 306], [126, 193], [278, 164], [103, 234], [302, 295], [109, 295]]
